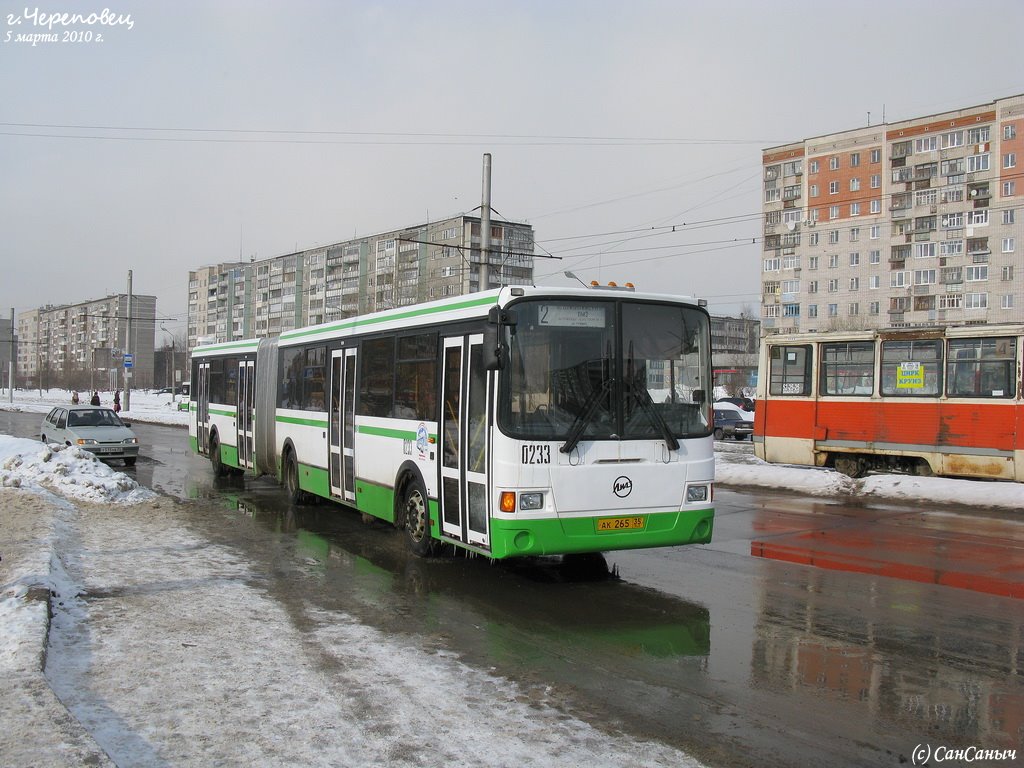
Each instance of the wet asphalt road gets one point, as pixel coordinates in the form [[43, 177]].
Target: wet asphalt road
[[740, 660]]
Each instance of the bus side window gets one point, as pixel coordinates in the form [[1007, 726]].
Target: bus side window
[[790, 370]]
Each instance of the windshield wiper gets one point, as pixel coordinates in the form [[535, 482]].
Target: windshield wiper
[[643, 398], [583, 417]]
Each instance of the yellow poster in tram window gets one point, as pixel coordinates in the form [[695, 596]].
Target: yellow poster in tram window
[[910, 376]]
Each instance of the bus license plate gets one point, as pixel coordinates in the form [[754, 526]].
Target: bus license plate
[[611, 524]]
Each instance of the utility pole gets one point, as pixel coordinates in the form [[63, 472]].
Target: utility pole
[[126, 401], [485, 227], [10, 377]]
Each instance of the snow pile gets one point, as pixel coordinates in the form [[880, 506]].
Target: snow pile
[[68, 471]]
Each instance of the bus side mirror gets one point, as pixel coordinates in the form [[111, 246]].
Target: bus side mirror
[[495, 349], [698, 396]]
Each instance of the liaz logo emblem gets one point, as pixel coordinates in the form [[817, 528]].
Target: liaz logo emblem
[[622, 486]]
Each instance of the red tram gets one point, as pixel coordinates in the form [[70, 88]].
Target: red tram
[[943, 401]]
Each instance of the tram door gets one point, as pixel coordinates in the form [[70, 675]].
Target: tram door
[[246, 406], [203, 409], [342, 423], [465, 513]]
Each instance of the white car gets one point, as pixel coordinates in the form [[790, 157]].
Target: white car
[[96, 429]]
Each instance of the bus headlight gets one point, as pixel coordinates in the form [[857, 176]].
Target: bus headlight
[[531, 501], [697, 493]]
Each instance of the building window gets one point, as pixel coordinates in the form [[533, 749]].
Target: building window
[[979, 135], [833, 285], [814, 190], [833, 260], [978, 163], [812, 166], [876, 206], [876, 155], [855, 209], [833, 187], [854, 283], [812, 286], [854, 309], [813, 239], [855, 185], [833, 211], [812, 310], [1008, 245], [1007, 301], [1007, 273], [952, 139], [977, 272], [855, 259], [873, 308], [833, 310], [1008, 216], [773, 264], [854, 234], [791, 310], [874, 282], [976, 301], [812, 262], [855, 159], [833, 163], [1010, 131], [833, 236], [977, 217], [1009, 190], [875, 257], [1010, 160], [926, 144]]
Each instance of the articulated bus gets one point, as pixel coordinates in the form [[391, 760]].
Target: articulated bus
[[514, 422], [943, 401]]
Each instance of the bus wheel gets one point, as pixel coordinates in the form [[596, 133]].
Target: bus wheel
[[849, 465], [291, 479], [219, 470], [417, 519]]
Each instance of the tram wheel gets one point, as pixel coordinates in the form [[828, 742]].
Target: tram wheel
[[417, 519], [849, 465]]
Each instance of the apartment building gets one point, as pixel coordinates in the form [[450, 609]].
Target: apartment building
[[238, 300], [913, 223], [82, 345]]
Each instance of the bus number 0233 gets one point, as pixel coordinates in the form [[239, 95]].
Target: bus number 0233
[[536, 454]]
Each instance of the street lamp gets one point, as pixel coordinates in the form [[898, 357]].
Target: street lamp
[[170, 368]]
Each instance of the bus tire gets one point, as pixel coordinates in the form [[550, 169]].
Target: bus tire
[[219, 470], [291, 479], [719, 434], [416, 517]]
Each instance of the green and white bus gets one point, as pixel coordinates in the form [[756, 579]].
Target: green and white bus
[[514, 422]]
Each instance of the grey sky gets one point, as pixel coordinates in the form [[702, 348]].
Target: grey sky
[[219, 129]]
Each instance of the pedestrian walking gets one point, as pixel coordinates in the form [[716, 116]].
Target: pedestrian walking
[[74, 397], [95, 399], [117, 401]]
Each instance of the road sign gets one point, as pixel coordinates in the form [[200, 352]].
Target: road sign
[[129, 360]]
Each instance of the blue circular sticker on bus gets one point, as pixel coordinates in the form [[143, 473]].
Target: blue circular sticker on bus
[[421, 437]]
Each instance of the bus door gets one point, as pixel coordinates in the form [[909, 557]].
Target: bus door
[[465, 512], [203, 409], [245, 406], [342, 423]]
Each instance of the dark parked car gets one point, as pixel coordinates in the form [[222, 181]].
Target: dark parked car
[[97, 430], [730, 423], [746, 403]]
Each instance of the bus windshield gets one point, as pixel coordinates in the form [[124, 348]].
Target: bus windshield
[[606, 370]]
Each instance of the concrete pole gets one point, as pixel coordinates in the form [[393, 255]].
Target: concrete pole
[[485, 227], [10, 370], [126, 400]]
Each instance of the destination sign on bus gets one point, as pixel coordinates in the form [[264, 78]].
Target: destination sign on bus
[[571, 316]]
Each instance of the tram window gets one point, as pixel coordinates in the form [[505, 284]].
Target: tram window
[[790, 370], [377, 378], [416, 377], [981, 367], [912, 368], [848, 368]]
